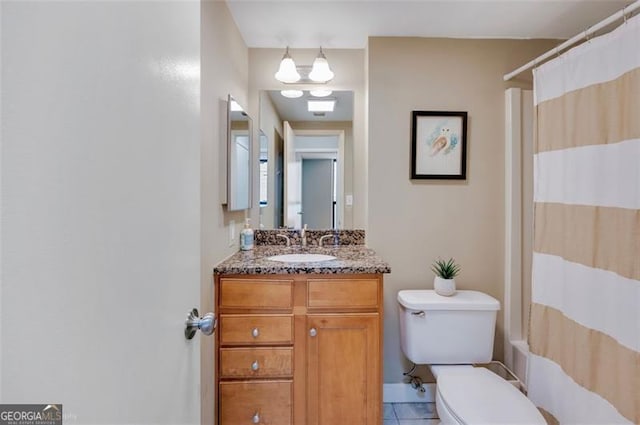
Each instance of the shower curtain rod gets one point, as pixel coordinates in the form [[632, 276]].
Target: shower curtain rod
[[556, 50]]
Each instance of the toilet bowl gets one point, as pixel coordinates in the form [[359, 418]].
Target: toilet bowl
[[450, 334], [478, 396]]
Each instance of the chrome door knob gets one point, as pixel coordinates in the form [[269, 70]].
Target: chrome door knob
[[256, 418], [313, 332], [207, 324], [255, 366], [255, 332]]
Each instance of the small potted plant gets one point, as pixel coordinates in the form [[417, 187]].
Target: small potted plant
[[444, 282]]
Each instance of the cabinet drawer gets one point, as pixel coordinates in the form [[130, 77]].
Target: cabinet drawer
[[256, 362], [246, 329], [256, 294], [270, 403], [343, 293]]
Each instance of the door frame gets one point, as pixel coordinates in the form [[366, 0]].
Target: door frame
[[340, 166], [329, 155]]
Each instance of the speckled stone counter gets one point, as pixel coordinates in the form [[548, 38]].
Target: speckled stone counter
[[340, 237], [350, 259]]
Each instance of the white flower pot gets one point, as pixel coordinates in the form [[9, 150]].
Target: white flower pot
[[444, 287]]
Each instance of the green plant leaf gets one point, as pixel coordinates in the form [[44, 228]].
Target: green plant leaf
[[445, 269]]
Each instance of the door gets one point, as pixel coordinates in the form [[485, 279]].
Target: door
[[101, 209], [343, 385], [318, 193], [292, 180]]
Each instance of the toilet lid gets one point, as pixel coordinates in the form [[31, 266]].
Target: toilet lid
[[478, 396]]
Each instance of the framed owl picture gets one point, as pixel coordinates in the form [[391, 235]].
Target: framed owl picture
[[438, 145]]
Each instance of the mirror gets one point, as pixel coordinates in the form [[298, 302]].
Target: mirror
[[307, 160], [239, 130]]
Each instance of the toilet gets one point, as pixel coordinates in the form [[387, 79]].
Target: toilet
[[450, 334]]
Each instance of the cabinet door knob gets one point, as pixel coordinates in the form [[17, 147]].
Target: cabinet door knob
[[255, 332], [255, 366], [256, 418], [313, 332]]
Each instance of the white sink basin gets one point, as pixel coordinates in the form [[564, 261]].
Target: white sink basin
[[301, 258]]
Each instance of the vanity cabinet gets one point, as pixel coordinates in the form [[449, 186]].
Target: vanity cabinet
[[342, 364], [254, 357], [299, 349]]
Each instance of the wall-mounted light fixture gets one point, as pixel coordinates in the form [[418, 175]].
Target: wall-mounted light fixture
[[321, 73], [289, 73]]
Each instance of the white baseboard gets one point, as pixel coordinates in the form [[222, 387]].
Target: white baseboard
[[404, 393]]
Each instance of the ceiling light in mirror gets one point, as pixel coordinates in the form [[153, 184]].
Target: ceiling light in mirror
[[320, 92], [292, 94], [325, 105]]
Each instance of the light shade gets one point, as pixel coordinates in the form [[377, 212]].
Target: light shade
[[320, 92], [324, 105], [321, 73], [291, 94], [287, 73]]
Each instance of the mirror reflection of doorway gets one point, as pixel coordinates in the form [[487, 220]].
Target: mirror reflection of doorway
[[310, 199], [291, 120], [318, 193]]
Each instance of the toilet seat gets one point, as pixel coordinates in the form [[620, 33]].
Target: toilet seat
[[477, 396]]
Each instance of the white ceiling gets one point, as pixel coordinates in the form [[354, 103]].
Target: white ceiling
[[347, 24]]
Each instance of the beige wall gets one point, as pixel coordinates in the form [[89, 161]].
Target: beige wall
[[224, 70], [411, 223], [349, 66]]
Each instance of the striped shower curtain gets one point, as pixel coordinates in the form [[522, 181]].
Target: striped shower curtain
[[584, 364]]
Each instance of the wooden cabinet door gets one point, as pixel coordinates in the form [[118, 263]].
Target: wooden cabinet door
[[343, 369]]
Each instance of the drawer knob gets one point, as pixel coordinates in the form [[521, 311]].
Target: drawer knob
[[256, 418], [313, 332], [255, 366], [255, 332]]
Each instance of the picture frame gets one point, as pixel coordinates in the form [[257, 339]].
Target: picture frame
[[439, 145]]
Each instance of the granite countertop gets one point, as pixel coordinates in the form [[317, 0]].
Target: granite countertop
[[349, 259]]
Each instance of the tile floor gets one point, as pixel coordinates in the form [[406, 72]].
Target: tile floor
[[410, 414]]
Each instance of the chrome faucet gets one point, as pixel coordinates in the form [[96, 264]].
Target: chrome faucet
[[326, 237], [280, 235], [303, 236]]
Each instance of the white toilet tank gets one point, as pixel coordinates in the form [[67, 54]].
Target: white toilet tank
[[447, 330]]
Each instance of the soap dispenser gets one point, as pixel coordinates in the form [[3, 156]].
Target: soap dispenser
[[246, 236]]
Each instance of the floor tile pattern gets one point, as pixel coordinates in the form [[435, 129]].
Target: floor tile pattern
[[410, 414]]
